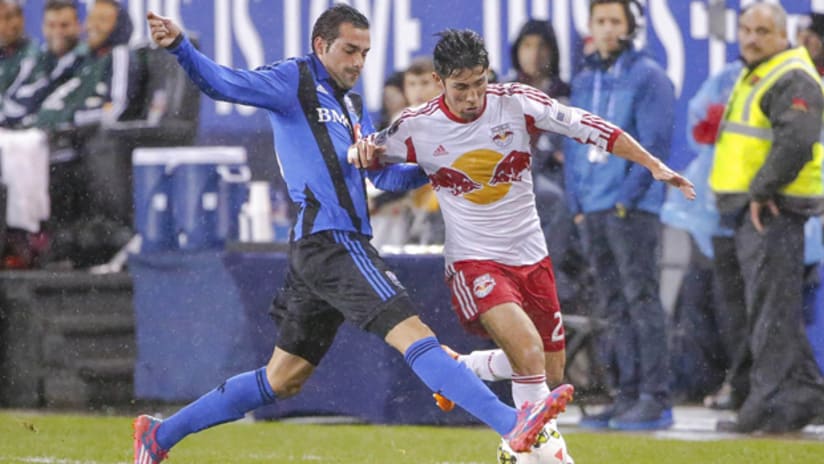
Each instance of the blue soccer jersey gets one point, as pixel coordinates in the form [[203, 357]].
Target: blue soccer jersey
[[313, 123]]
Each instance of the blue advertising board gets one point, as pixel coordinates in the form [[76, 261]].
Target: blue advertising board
[[690, 38]]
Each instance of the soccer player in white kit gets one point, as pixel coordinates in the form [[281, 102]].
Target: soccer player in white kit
[[473, 141]]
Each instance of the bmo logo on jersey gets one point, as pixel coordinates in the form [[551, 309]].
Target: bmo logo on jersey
[[331, 115]]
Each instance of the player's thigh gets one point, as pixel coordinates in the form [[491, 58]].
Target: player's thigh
[[306, 323], [346, 272], [540, 302]]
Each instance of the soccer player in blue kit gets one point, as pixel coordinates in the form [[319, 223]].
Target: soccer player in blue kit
[[334, 273]]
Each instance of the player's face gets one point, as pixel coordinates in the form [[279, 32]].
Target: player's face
[[100, 23], [11, 24], [758, 35], [61, 30], [344, 57], [465, 92], [609, 26], [420, 88], [533, 56]]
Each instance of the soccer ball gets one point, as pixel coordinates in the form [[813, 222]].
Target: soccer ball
[[550, 448]]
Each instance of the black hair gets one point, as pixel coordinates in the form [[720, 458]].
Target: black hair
[[59, 5], [544, 29], [628, 5], [327, 27], [16, 5], [458, 50]]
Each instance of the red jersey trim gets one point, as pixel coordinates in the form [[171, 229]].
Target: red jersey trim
[[454, 117]]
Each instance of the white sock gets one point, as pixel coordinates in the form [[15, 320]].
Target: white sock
[[488, 365], [532, 388]]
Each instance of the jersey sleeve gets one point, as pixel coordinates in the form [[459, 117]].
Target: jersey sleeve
[[397, 139], [547, 114], [269, 87]]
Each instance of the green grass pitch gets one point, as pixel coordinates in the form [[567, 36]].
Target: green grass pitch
[[73, 439]]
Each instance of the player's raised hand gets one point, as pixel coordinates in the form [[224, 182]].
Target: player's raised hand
[[663, 173], [163, 30], [364, 153]]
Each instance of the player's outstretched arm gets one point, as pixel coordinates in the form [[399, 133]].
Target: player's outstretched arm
[[265, 88], [628, 148], [164, 31]]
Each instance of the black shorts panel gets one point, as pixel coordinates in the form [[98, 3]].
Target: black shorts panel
[[335, 276]]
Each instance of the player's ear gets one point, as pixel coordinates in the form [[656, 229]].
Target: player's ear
[[438, 80], [319, 46]]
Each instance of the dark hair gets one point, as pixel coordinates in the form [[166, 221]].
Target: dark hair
[[327, 27], [420, 66], [545, 30], [17, 5], [459, 50], [59, 5], [628, 5]]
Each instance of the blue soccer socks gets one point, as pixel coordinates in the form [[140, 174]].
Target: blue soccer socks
[[228, 402], [455, 381]]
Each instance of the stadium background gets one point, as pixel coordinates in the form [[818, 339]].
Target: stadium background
[[691, 38]]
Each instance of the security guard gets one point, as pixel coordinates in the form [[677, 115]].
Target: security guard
[[767, 179]]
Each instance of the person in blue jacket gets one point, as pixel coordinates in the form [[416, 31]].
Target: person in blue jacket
[[334, 273], [616, 206]]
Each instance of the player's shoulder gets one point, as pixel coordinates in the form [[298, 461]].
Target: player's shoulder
[[284, 65], [422, 111], [518, 91]]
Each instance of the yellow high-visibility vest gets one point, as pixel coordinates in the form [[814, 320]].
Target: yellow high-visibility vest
[[746, 135]]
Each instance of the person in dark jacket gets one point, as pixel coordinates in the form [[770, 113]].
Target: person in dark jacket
[[767, 179], [58, 60], [107, 85], [15, 47]]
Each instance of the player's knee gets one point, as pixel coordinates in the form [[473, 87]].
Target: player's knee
[[527, 359], [284, 388]]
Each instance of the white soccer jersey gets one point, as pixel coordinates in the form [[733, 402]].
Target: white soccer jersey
[[481, 169]]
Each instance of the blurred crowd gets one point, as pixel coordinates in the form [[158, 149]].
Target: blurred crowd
[[602, 217], [59, 103]]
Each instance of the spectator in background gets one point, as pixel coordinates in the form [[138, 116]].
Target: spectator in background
[[57, 62], [388, 211], [710, 319], [15, 47], [420, 87], [107, 84], [393, 99], [616, 206], [811, 36], [767, 180], [535, 59], [90, 215]]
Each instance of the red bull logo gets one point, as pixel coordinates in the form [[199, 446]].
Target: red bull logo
[[457, 182], [511, 168], [482, 176]]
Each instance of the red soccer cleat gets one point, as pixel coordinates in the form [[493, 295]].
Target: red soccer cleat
[[533, 417], [146, 449]]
